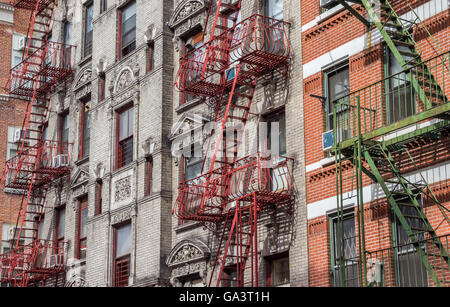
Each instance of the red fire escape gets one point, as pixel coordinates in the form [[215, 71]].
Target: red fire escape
[[38, 161], [233, 191]]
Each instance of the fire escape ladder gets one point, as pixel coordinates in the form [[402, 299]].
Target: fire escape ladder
[[222, 19], [239, 248], [405, 199]]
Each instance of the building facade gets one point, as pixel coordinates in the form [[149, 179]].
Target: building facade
[[121, 116], [347, 58], [13, 28]]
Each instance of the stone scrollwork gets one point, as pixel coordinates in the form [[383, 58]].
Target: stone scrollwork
[[124, 80], [122, 189], [186, 258], [189, 14]]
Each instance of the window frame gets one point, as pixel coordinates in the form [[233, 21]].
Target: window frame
[[101, 87], [103, 6], [123, 259], [150, 56], [333, 218], [329, 120], [270, 269], [83, 204], [83, 141], [88, 35], [120, 34], [196, 39], [62, 117], [58, 237], [99, 197], [119, 160]]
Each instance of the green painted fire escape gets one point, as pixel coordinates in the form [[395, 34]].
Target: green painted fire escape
[[364, 145]]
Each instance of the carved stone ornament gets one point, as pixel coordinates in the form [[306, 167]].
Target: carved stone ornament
[[189, 14], [84, 77], [121, 216], [76, 282], [122, 189], [124, 80], [186, 258]]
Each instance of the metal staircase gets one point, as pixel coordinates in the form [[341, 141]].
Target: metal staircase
[[383, 159], [231, 191], [38, 161]]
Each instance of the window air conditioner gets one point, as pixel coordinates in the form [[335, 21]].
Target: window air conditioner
[[18, 135], [328, 138], [60, 161]]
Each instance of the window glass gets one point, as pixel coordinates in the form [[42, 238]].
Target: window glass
[[274, 9], [88, 28], [193, 167], [280, 272], [123, 241], [86, 129], [61, 222], [65, 129], [128, 29]]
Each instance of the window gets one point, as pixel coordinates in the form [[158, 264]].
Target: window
[[410, 269], [127, 30], [193, 51], [18, 47], [88, 29], [274, 9], [40, 223], [101, 87], [278, 272], [64, 132], [68, 41], [148, 176], [337, 86], [99, 200], [229, 278], [60, 225], [82, 227], [125, 128], [150, 57], [122, 253], [11, 150], [103, 5], [7, 237], [85, 130], [193, 167], [344, 254], [401, 94]]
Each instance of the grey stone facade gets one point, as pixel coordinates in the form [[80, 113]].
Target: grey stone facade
[[164, 253]]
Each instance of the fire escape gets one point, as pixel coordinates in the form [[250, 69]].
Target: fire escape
[[39, 161], [372, 135], [232, 191]]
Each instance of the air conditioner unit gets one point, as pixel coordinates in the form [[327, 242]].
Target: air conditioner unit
[[328, 3], [22, 43], [18, 135], [60, 161], [328, 138]]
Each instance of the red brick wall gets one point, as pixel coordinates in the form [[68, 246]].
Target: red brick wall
[[12, 112], [366, 68]]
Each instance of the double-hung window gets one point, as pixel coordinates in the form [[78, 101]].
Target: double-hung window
[[85, 130], [127, 29], [122, 255], [88, 29], [125, 129], [82, 227]]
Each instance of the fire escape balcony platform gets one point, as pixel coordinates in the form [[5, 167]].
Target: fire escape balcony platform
[[419, 94], [31, 4], [210, 196], [45, 161], [41, 71], [259, 43]]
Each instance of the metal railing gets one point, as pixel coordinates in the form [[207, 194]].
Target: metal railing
[[38, 257], [45, 159], [396, 101], [400, 266], [45, 67], [260, 41], [209, 194]]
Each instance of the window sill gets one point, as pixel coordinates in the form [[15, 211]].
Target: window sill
[[188, 105], [187, 226], [328, 14], [82, 161], [84, 60]]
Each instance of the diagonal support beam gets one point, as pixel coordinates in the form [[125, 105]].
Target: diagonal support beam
[[354, 12]]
